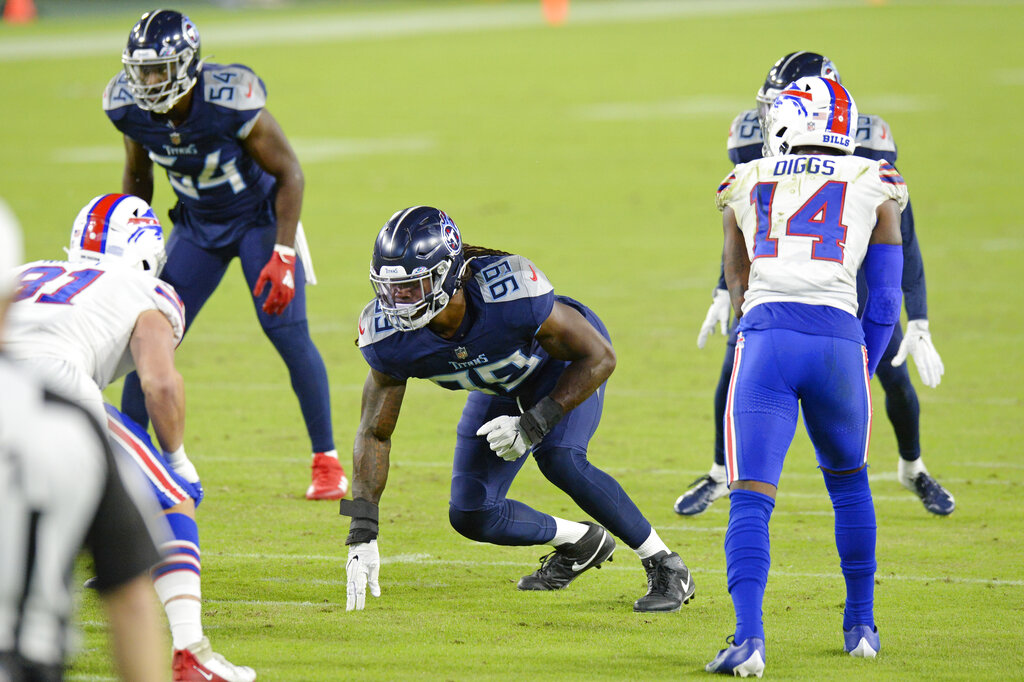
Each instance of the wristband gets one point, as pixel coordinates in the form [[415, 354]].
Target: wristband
[[283, 250], [537, 421], [364, 516]]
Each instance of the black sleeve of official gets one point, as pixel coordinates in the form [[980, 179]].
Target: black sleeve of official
[[118, 538]]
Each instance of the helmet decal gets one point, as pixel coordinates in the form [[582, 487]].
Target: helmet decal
[[450, 234], [189, 32]]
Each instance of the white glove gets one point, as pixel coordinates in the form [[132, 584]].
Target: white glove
[[505, 438], [182, 465], [718, 313], [917, 341], [362, 567]]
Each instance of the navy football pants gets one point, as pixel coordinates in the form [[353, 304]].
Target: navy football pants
[[195, 273]]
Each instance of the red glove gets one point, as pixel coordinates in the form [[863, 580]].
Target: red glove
[[279, 272]]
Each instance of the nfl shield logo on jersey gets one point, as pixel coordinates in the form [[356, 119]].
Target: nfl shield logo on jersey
[[461, 353]]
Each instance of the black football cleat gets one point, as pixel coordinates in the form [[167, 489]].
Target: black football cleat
[[568, 561], [669, 584], [935, 498]]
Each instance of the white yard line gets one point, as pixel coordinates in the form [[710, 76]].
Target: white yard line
[[274, 29], [425, 560]]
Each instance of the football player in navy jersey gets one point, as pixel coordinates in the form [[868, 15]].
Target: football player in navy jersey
[[536, 365], [874, 141], [239, 188]]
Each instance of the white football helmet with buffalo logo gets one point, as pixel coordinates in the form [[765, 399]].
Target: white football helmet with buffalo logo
[[118, 227], [811, 111]]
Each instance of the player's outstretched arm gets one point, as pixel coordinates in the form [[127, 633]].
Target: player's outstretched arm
[[371, 458], [267, 144], [152, 347], [735, 261], [138, 171]]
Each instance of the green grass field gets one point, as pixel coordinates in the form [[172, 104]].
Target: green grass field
[[594, 148]]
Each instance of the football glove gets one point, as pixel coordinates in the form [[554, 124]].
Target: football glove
[[917, 342], [362, 568], [279, 273], [183, 466], [718, 313], [505, 437]]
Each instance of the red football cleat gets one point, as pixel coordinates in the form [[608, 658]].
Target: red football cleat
[[199, 663], [329, 479]]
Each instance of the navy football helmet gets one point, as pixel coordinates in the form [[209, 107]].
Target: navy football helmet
[[161, 59], [417, 263], [788, 69]]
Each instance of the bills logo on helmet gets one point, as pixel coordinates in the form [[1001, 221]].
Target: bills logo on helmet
[[450, 233]]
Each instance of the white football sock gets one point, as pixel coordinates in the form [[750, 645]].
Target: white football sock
[[180, 593], [717, 473], [329, 453], [567, 532], [908, 471], [651, 546]]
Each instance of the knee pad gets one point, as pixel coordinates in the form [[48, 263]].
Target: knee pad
[[472, 524]]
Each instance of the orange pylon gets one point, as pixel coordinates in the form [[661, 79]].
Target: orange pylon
[[555, 11], [19, 11]]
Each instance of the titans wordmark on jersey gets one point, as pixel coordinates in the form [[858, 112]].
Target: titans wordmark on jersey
[[221, 190]]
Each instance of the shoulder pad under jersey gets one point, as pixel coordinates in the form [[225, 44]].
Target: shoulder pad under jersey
[[510, 278], [117, 95], [373, 325], [874, 139], [233, 87]]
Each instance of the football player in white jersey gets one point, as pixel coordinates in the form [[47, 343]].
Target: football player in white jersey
[[798, 225], [60, 491], [87, 321], [874, 141]]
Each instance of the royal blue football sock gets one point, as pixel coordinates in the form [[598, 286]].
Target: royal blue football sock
[[747, 559], [855, 541]]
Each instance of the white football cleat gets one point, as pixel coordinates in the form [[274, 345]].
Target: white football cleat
[[200, 663]]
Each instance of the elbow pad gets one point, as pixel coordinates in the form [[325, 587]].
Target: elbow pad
[[883, 271]]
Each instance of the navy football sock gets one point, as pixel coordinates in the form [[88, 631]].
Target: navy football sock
[[309, 380], [901, 405], [855, 541], [747, 559], [596, 493]]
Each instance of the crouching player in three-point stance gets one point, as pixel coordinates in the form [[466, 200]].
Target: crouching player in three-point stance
[[536, 364], [83, 323], [798, 224]]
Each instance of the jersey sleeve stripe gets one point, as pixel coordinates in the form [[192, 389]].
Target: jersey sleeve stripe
[[725, 183], [888, 173], [175, 301]]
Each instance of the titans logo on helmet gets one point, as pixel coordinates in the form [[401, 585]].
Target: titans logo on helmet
[[450, 233]]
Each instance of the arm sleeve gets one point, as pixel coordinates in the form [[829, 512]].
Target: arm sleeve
[[915, 293], [882, 268]]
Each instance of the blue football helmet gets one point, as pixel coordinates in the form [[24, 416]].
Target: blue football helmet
[[417, 263], [161, 59], [788, 69]]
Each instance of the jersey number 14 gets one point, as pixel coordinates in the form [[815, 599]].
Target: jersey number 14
[[820, 218]]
